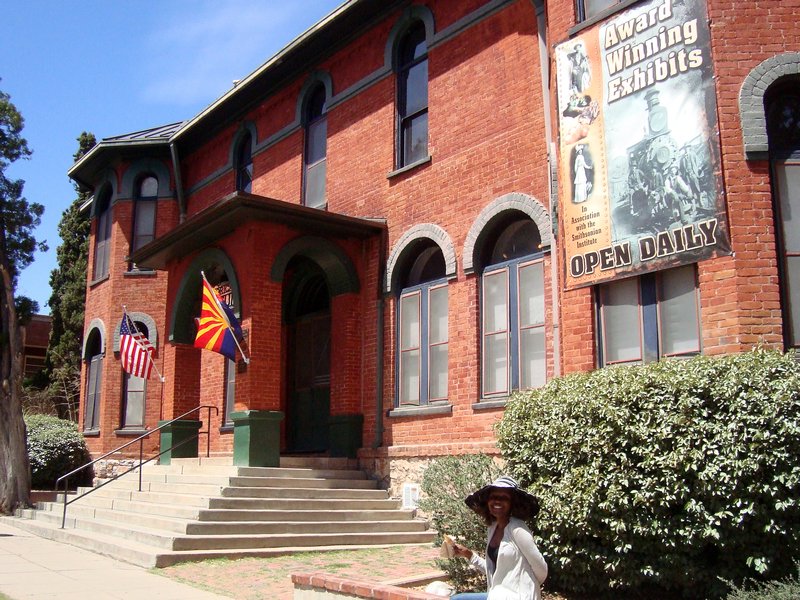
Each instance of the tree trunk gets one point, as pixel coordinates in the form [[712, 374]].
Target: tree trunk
[[15, 472]]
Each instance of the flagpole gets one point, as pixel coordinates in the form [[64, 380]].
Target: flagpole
[[149, 355], [233, 333]]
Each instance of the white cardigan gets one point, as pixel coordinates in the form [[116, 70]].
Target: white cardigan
[[520, 569]]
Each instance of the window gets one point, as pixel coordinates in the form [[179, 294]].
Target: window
[[412, 96], [653, 316], [513, 311], [134, 394], [102, 236], [591, 8], [423, 334], [144, 213], [230, 390], [244, 164], [314, 158], [94, 381], [783, 129]]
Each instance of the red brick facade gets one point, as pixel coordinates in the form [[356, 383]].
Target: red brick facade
[[491, 124]]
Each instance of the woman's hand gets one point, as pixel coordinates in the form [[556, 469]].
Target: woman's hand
[[462, 551]]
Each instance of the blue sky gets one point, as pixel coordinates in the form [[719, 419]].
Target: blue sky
[[118, 66]]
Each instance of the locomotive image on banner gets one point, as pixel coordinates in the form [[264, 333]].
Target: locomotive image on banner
[[640, 173]]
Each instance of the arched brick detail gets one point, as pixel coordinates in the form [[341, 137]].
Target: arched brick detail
[[311, 82], [140, 167], [427, 231], [138, 317], [410, 14], [340, 273], [101, 329], [245, 127], [513, 201], [751, 101]]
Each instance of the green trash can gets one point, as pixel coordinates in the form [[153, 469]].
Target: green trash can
[[176, 440], [257, 438], [345, 434]]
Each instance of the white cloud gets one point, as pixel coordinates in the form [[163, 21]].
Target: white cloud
[[199, 47]]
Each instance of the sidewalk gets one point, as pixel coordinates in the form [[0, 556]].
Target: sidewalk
[[35, 568]]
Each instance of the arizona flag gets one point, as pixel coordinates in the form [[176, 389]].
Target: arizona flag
[[217, 325], [135, 350]]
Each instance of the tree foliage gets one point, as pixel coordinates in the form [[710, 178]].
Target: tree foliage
[[672, 474], [68, 285], [18, 218]]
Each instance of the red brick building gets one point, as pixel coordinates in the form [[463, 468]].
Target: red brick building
[[416, 208]]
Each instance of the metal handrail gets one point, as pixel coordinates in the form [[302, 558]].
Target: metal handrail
[[140, 439]]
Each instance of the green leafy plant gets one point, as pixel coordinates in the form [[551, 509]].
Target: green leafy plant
[[55, 447], [445, 484], [785, 589], [670, 475]]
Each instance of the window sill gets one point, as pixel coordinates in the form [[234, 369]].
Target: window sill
[[91, 433], [132, 432], [98, 281], [411, 167], [445, 408], [140, 273], [490, 403], [226, 429]]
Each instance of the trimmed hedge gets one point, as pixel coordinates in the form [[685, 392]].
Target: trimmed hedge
[[670, 475], [55, 447]]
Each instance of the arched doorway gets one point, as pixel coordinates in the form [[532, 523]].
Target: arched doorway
[[307, 313]]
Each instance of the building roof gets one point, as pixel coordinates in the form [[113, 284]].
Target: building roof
[[221, 218]]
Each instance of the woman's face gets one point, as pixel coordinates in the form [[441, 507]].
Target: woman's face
[[499, 504]]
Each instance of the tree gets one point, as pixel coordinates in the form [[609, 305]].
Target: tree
[[68, 285], [18, 218]]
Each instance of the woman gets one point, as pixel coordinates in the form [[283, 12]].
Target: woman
[[514, 567]]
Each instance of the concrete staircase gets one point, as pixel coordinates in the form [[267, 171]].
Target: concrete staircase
[[196, 509]]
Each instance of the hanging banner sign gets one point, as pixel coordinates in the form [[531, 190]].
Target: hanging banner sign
[[641, 185]]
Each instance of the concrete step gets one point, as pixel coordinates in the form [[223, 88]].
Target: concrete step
[[202, 508], [302, 493], [295, 504], [199, 472], [232, 514]]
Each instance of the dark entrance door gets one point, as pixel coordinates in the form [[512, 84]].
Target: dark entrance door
[[309, 364]]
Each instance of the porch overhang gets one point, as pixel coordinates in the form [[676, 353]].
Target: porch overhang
[[209, 225]]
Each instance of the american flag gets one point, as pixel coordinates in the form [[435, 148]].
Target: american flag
[[135, 350]]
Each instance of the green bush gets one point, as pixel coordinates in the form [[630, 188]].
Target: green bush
[[785, 589], [668, 476], [55, 447], [445, 484]]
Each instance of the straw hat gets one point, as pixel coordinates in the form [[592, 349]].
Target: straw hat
[[523, 505]]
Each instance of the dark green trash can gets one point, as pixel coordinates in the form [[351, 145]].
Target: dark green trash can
[[345, 434], [257, 438], [176, 440]]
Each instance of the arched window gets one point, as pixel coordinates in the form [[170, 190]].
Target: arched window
[[411, 64], [513, 308], [783, 131], [244, 164], [315, 123], [94, 379], [134, 393], [422, 328], [102, 236], [144, 213]]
